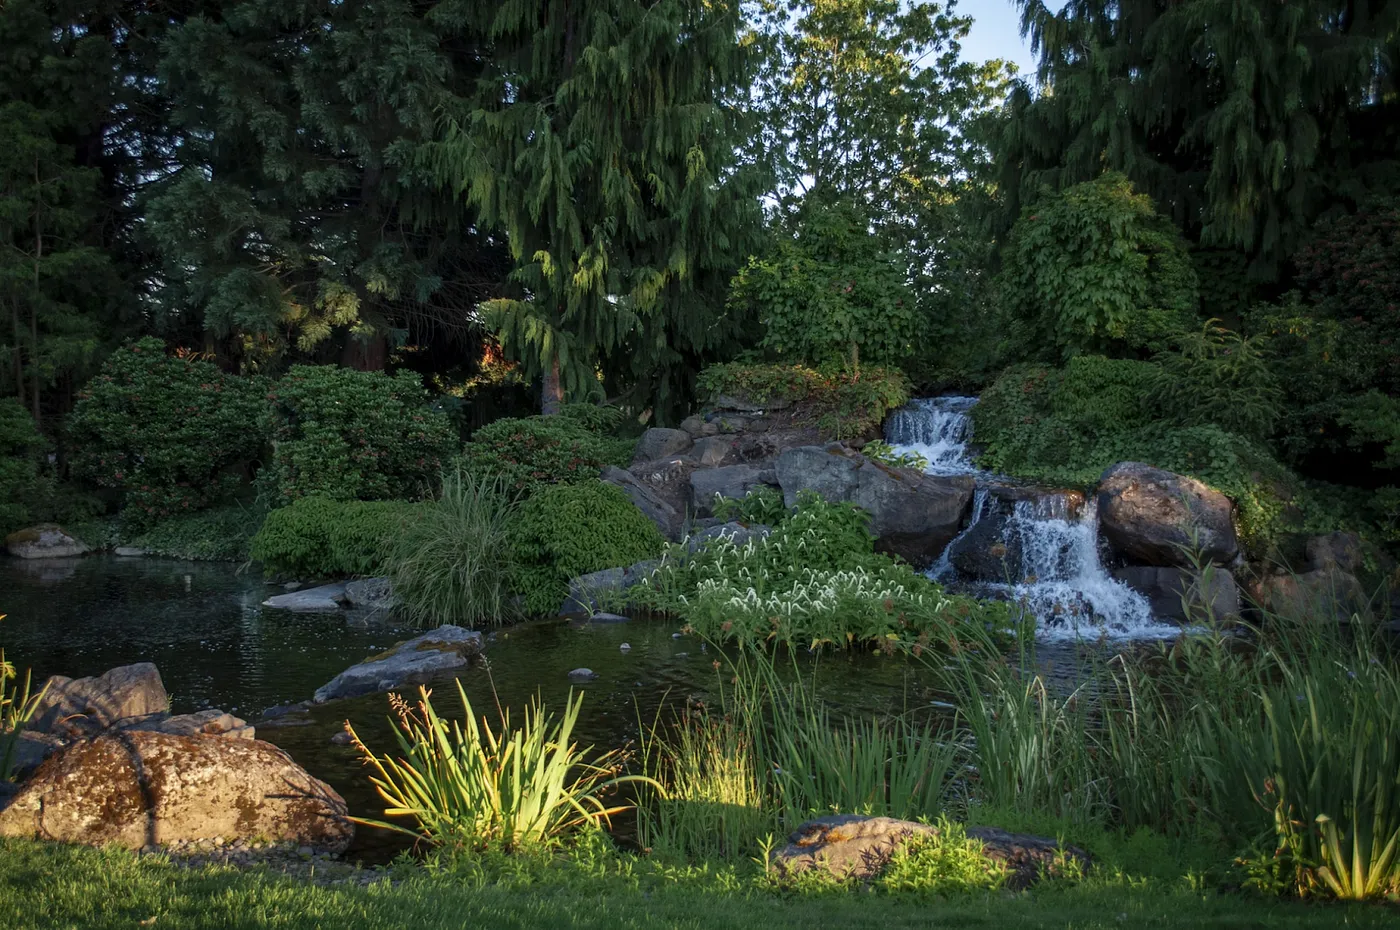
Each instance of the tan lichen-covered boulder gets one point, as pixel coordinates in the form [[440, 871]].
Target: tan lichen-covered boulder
[[90, 704], [1155, 517], [45, 541], [852, 846], [139, 788]]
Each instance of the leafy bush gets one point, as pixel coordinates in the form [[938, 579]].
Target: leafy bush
[[319, 537], [763, 505], [1095, 268], [167, 431], [20, 446], [567, 530], [220, 534], [945, 862], [1067, 426], [354, 435], [453, 564], [1216, 376], [834, 294], [469, 787], [840, 403], [535, 451], [814, 580]]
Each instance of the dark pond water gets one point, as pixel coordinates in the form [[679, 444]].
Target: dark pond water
[[203, 626]]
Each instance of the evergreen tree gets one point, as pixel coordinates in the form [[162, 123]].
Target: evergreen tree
[[296, 221], [601, 140], [1244, 119]]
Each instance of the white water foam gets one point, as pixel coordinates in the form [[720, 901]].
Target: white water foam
[[937, 428]]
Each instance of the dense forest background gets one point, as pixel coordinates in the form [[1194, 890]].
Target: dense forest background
[[1178, 240]]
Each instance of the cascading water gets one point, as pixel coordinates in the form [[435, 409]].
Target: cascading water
[[1060, 577], [937, 428]]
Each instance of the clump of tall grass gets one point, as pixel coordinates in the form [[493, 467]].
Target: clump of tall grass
[[469, 786], [773, 754], [17, 705], [1286, 731], [453, 563]]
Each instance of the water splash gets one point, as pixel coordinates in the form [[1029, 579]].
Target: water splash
[[1063, 582], [938, 428]]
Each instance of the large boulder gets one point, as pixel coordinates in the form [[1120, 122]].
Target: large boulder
[[1335, 551], [848, 846], [1182, 594], [912, 514], [373, 594], [729, 481], [85, 705], [138, 788], [987, 552], [1329, 596], [1155, 517], [662, 500], [45, 541], [411, 662], [596, 590], [658, 443]]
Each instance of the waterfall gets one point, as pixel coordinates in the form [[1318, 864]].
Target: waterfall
[[1062, 580], [937, 428]]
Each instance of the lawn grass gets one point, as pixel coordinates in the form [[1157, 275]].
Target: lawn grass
[[46, 885]]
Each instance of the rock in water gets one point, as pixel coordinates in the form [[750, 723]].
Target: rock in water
[[582, 674], [1171, 591], [91, 704], [327, 598], [138, 788], [371, 594], [412, 662], [1154, 516], [854, 846], [45, 541]]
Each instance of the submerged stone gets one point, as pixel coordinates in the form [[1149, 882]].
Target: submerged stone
[[327, 598]]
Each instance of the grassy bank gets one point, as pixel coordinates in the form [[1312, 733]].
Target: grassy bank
[[44, 886]]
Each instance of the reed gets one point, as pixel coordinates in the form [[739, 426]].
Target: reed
[[18, 702], [453, 563], [469, 786]]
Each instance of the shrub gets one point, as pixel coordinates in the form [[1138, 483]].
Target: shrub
[[814, 580], [1095, 268], [536, 451], [20, 446], [1216, 376], [317, 536], [569, 530], [762, 505], [453, 564], [220, 534], [834, 294], [840, 403], [166, 431], [354, 435], [468, 786]]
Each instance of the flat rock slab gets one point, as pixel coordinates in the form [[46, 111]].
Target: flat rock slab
[[324, 599], [136, 789], [852, 846], [411, 662]]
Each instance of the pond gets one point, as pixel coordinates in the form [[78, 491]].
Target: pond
[[203, 626]]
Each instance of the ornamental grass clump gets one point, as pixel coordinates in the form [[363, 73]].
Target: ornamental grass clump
[[17, 705], [453, 564], [466, 785]]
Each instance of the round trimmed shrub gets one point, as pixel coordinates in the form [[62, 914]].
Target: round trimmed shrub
[[572, 529], [533, 451]]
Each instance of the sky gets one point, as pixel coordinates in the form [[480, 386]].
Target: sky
[[996, 32]]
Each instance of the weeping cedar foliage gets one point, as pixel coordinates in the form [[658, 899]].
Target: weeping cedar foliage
[[1244, 119], [602, 142]]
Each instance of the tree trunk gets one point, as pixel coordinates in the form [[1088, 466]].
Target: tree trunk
[[17, 353], [552, 388]]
